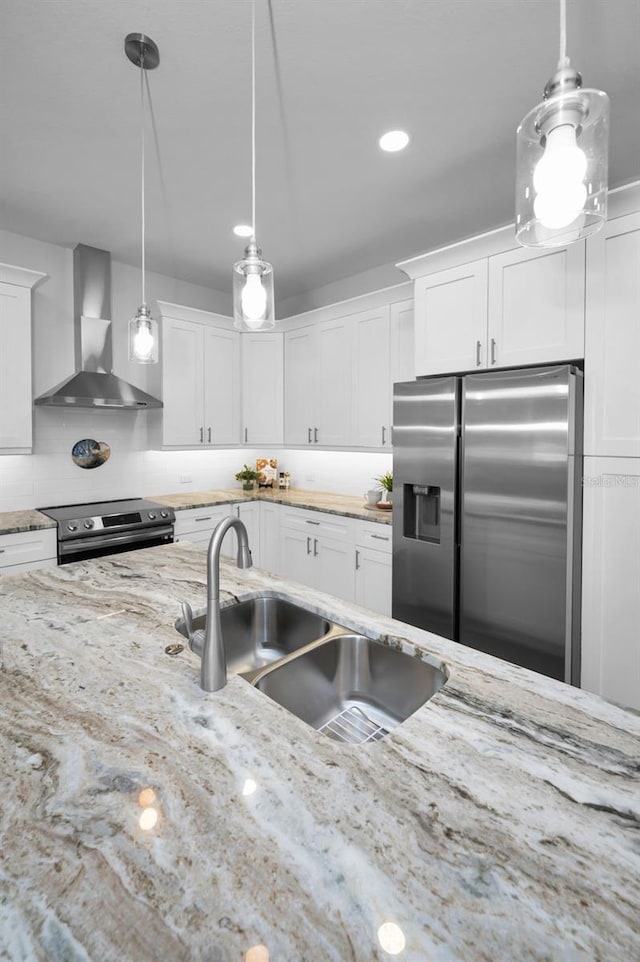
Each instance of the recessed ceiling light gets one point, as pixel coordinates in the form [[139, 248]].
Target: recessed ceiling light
[[243, 230], [394, 140]]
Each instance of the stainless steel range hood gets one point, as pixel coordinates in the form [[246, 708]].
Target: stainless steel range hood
[[94, 385]]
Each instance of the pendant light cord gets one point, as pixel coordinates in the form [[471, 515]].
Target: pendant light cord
[[253, 119], [564, 60], [144, 300]]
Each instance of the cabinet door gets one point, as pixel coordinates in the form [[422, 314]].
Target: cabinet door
[[611, 579], [221, 386], [536, 306], [15, 367], [249, 514], [371, 378], [296, 557], [612, 348], [182, 379], [270, 537], [262, 388], [333, 380], [451, 320], [334, 568], [373, 580], [402, 340], [299, 386]]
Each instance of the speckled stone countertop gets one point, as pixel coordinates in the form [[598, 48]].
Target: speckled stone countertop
[[499, 822], [344, 504], [12, 522]]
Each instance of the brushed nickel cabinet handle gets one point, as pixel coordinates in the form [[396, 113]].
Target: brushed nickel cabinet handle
[[308, 545], [209, 436], [246, 435], [311, 522], [201, 435], [478, 348], [384, 431], [208, 518], [379, 537], [315, 547], [493, 350], [309, 436], [357, 559], [315, 435]]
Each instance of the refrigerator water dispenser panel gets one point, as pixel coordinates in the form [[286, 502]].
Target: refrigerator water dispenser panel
[[422, 512]]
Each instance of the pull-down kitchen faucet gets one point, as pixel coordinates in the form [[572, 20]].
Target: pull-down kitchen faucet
[[209, 644]]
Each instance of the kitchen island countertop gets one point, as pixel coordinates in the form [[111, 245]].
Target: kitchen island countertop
[[499, 822]]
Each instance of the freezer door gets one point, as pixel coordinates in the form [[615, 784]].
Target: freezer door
[[425, 441], [520, 516]]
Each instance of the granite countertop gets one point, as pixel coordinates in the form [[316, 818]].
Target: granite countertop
[[12, 522], [499, 822], [343, 504]]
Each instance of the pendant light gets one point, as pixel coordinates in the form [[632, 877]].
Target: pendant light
[[563, 143], [253, 303], [143, 329]]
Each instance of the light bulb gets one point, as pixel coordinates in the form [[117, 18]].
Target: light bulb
[[253, 299], [558, 179], [143, 341]]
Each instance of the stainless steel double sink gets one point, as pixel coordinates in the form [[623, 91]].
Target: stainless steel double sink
[[350, 687]]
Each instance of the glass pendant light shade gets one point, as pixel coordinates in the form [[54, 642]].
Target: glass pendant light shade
[[253, 300], [562, 172], [143, 337]]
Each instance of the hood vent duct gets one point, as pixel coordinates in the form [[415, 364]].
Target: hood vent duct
[[94, 385]]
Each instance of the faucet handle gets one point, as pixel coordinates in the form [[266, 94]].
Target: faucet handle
[[187, 617]]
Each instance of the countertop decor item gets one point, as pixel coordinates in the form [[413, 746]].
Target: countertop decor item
[[143, 329], [248, 477], [253, 306], [563, 143], [267, 470], [89, 453], [386, 482]]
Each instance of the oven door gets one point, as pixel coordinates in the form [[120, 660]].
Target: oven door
[[80, 549]]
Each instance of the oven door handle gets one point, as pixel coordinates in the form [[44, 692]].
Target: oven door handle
[[75, 545]]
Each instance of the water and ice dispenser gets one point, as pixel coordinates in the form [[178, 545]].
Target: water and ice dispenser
[[421, 520]]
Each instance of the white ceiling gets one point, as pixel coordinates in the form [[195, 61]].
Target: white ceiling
[[333, 75]]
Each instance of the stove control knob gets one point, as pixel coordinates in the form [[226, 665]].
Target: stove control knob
[[164, 514], [88, 524], [152, 516], [72, 527]]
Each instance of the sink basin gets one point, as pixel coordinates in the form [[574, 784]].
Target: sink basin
[[263, 630], [352, 688]]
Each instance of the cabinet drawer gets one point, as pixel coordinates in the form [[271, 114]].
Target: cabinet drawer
[[200, 519], [27, 546], [318, 524], [372, 534]]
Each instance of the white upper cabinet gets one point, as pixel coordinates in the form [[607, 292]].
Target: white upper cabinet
[[371, 378], [262, 388], [200, 379], [536, 306], [299, 386], [513, 308], [451, 319], [612, 349], [317, 382], [16, 399]]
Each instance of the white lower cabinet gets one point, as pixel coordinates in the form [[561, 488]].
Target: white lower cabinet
[[249, 514], [28, 550], [316, 549], [270, 537], [197, 524], [611, 579], [373, 566]]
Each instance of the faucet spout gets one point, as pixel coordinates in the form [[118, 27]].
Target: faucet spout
[[213, 664]]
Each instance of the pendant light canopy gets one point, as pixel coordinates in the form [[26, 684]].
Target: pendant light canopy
[[563, 147], [253, 302], [143, 329]]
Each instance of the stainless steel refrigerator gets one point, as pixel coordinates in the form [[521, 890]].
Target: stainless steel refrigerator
[[487, 512]]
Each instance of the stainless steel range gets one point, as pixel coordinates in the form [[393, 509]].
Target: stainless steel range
[[108, 527]]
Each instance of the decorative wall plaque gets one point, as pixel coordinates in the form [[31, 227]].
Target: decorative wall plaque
[[89, 453]]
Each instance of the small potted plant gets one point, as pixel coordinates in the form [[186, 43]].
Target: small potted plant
[[248, 477], [386, 483]]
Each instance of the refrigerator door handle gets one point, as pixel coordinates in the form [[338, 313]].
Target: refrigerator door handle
[[478, 349]]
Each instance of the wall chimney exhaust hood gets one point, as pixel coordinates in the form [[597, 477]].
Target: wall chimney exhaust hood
[[94, 385]]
